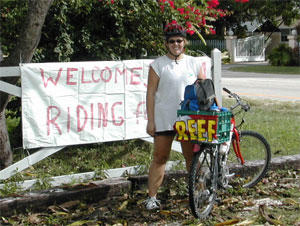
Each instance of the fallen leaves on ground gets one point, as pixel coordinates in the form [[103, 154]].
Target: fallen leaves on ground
[[268, 217], [274, 201]]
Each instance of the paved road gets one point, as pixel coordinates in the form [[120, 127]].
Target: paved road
[[258, 85]]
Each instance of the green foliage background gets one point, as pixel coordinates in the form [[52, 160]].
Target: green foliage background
[[93, 30], [77, 30], [12, 13]]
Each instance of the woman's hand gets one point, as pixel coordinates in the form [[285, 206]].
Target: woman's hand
[[201, 74], [151, 128]]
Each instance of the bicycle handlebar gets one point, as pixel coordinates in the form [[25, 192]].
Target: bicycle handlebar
[[227, 90], [244, 106]]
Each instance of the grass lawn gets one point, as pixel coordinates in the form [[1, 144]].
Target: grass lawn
[[268, 69], [277, 121]]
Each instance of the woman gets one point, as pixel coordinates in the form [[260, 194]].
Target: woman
[[167, 79]]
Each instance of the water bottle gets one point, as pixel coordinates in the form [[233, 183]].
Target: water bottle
[[214, 107]]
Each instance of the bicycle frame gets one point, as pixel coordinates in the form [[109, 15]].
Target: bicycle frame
[[212, 166], [236, 142]]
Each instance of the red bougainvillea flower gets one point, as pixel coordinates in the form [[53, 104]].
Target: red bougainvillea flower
[[173, 22], [212, 4], [172, 4], [191, 8], [194, 16], [197, 12], [221, 13], [171, 25], [180, 10], [212, 31], [188, 24], [190, 32], [162, 4]]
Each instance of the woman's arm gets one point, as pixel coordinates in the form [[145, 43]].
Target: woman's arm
[[153, 80], [201, 74]]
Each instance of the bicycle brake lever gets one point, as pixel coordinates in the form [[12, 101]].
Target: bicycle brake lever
[[246, 107]]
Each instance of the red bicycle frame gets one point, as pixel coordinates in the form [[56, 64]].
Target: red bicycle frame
[[236, 141]]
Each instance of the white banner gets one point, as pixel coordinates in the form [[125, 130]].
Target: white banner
[[85, 102]]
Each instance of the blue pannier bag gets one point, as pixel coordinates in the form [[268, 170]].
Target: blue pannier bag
[[199, 96], [190, 105]]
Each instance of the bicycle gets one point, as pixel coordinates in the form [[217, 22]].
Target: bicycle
[[244, 157]]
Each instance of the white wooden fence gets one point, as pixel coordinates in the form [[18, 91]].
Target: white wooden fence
[[214, 43], [250, 49], [45, 152]]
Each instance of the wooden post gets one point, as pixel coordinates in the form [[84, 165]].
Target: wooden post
[[293, 43], [216, 73], [231, 47]]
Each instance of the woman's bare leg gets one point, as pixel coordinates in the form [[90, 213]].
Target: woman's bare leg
[[162, 148]]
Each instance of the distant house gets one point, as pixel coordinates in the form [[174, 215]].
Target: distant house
[[261, 39], [276, 34], [287, 30]]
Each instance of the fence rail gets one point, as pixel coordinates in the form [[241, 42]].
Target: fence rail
[[214, 43]]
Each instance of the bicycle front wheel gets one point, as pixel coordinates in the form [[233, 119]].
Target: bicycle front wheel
[[202, 186], [257, 156]]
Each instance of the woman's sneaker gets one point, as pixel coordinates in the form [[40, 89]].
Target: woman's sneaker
[[152, 203]]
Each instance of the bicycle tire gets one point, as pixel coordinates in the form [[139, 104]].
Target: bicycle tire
[[256, 152], [202, 192]]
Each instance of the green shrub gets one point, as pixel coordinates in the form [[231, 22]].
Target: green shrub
[[281, 56], [13, 122]]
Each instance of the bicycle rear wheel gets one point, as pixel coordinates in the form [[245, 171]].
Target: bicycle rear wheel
[[202, 186], [257, 156]]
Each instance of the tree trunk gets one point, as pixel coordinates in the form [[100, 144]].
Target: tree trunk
[[23, 52], [5, 154]]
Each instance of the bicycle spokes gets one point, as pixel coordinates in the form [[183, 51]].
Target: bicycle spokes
[[256, 155], [202, 190]]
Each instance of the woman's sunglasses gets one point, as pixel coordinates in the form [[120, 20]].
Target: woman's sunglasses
[[172, 41]]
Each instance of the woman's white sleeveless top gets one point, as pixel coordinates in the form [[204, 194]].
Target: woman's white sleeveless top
[[173, 78]]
